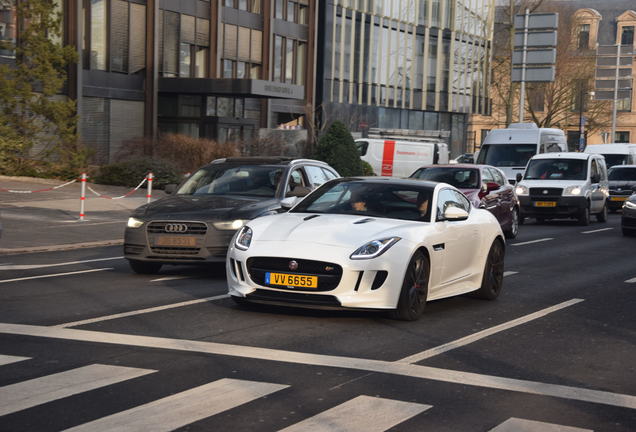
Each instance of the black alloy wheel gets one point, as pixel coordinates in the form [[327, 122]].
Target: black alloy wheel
[[414, 289], [492, 281], [514, 225], [602, 216], [144, 267]]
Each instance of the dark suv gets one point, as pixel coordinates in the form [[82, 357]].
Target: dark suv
[[197, 222], [622, 183]]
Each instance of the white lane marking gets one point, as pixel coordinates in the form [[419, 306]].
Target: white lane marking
[[85, 223], [7, 359], [141, 311], [183, 408], [485, 333], [532, 241], [37, 391], [632, 280], [169, 278], [596, 230], [37, 266], [361, 414], [510, 273], [56, 275], [522, 425], [368, 365]]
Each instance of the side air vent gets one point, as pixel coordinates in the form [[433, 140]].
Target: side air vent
[[365, 220], [379, 279], [310, 217]]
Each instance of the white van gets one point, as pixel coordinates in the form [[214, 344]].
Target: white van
[[615, 154], [510, 149], [398, 158], [557, 185]]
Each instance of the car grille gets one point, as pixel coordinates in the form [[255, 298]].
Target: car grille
[[193, 228], [538, 193], [294, 298], [175, 250], [132, 249], [329, 274], [217, 251]]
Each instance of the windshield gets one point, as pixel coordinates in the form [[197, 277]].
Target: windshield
[[615, 159], [382, 200], [506, 155], [556, 169], [223, 179], [461, 178], [626, 174]]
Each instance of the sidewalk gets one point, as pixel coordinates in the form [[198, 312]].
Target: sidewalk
[[49, 220]]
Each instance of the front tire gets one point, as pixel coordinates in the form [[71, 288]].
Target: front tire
[[584, 216], [602, 216], [144, 267], [414, 291], [514, 225], [492, 280]]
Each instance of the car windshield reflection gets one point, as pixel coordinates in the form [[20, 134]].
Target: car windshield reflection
[[556, 169], [248, 180]]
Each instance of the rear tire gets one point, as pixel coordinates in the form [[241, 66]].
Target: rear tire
[[414, 291], [514, 225], [602, 216], [584, 216], [492, 280], [144, 267]]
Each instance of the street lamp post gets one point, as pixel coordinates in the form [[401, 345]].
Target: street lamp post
[[581, 118]]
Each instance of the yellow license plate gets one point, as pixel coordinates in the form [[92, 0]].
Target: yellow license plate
[[183, 241], [618, 198], [299, 281], [545, 204]]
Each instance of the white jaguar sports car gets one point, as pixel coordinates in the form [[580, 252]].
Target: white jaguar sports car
[[369, 243]]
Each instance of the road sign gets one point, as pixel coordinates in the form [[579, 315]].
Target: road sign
[[538, 21], [537, 39], [534, 74], [535, 57]]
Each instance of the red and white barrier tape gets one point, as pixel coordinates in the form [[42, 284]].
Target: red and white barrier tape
[[119, 197], [39, 190]]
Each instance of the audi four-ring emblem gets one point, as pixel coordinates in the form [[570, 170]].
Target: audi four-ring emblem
[[175, 228]]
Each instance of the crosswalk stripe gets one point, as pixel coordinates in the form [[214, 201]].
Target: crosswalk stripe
[[183, 408], [7, 359], [37, 391], [522, 425], [361, 414]]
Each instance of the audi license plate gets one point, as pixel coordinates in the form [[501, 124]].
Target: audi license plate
[[183, 241], [618, 198], [292, 280], [545, 204]]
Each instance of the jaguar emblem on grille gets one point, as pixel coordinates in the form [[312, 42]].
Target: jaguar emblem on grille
[[293, 265], [545, 192], [175, 228]]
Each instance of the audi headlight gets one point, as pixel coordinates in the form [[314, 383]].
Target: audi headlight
[[244, 238], [521, 190], [572, 191], [374, 248], [134, 223], [630, 205], [230, 225]]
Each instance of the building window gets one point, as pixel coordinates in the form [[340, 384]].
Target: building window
[[184, 42], [627, 37], [278, 57], [8, 15], [584, 36], [243, 47], [253, 6], [621, 137], [98, 34], [536, 99], [292, 11], [624, 104]]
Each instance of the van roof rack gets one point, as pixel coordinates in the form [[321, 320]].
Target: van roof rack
[[410, 134]]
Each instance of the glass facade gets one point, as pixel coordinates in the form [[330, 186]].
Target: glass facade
[[8, 29]]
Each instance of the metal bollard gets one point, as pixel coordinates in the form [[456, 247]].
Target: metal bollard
[[149, 194], [83, 195]]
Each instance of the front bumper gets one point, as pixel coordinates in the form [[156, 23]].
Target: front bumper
[[628, 219], [615, 201], [565, 206], [203, 246], [357, 288]]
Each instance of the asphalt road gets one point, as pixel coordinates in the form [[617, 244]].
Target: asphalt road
[[86, 344]]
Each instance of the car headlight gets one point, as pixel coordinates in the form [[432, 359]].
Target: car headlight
[[521, 190], [374, 248], [229, 225], [630, 205], [134, 222], [572, 191], [244, 238]]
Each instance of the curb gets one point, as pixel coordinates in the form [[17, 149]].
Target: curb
[[62, 247]]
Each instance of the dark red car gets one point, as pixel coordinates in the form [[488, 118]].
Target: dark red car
[[484, 185]]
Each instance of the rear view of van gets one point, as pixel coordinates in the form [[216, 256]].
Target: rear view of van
[[510, 149], [615, 154], [398, 158]]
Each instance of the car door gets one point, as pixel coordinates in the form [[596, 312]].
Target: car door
[[506, 197], [597, 194], [490, 199]]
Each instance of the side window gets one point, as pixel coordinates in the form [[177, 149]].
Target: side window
[[295, 179], [486, 176], [594, 172], [316, 175], [362, 147], [449, 198], [462, 200], [499, 177], [328, 174]]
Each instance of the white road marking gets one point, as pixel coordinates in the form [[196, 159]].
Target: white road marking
[[485, 333], [596, 230], [169, 278], [522, 425], [7, 359], [632, 280], [183, 408], [141, 311], [27, 394], [56, 275], [37, 266], [532, 241], [87, 222], [510, 273], [361, 414], [368, 365]]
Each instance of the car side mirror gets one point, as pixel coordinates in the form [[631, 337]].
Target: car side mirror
[[288, 203], [170, 188], [492, 186], [519, 177], [298, 191], [453, 214]]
